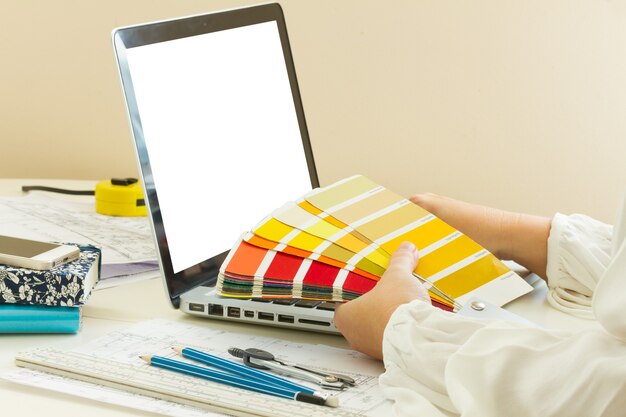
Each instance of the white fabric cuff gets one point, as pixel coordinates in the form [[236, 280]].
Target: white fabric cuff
[[579, 251]]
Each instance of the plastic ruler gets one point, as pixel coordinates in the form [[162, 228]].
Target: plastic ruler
[[154, 382]]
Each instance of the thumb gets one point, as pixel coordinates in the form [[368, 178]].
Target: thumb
[[404, 258], [402, 264]]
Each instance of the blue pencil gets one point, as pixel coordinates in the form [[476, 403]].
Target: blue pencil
[[239, 369], [235, 381]]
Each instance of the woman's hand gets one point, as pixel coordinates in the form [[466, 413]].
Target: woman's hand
[[519, 237], [363, 321]]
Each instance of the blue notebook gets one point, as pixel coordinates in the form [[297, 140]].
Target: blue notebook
[[39, 319]]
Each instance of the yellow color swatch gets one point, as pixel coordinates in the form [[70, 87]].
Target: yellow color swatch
[[298, 218], [371, 204], [290, 250], [279, 232], [305, 241], [422, 236], [274, 230], [472, 276], [341, 192], [392, 221], [449, 254]]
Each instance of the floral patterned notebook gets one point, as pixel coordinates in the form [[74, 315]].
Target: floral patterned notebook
[[69, 284]]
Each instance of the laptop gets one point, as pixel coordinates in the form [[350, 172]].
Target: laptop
[[221, 141]]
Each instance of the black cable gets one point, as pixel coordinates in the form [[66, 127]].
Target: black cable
[[56, 190]]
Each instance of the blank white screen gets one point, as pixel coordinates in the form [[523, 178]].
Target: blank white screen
[[221, 133]]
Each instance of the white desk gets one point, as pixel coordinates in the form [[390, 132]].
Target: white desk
[[121, 306]]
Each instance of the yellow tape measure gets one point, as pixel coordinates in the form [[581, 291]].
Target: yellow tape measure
[[120, 197]]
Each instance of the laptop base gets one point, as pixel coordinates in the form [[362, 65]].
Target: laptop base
[[316, 316]]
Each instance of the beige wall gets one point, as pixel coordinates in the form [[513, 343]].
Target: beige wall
[[518, 104]]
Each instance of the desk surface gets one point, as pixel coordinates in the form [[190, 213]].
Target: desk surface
[[118, 307]]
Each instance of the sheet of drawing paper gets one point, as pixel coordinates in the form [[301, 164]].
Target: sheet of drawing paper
[[448, 258]]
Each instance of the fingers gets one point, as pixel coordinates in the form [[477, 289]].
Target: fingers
[[404, 258], [427, 201]]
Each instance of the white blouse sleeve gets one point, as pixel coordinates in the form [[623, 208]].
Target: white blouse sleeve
[[438, 364], [579, 252]]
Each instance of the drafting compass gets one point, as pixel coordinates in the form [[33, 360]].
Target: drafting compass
[[262, 359]]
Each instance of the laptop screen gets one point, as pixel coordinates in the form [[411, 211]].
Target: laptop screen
[[219, 131]]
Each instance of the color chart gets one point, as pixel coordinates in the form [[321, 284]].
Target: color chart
[[334, 244]]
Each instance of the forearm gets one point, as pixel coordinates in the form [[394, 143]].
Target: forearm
[[518, 237], [527, 241]]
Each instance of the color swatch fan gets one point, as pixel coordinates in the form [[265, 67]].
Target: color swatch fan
[[335, 243]]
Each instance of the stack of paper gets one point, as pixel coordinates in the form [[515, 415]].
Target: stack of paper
[[128, 252], [335, 243]]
